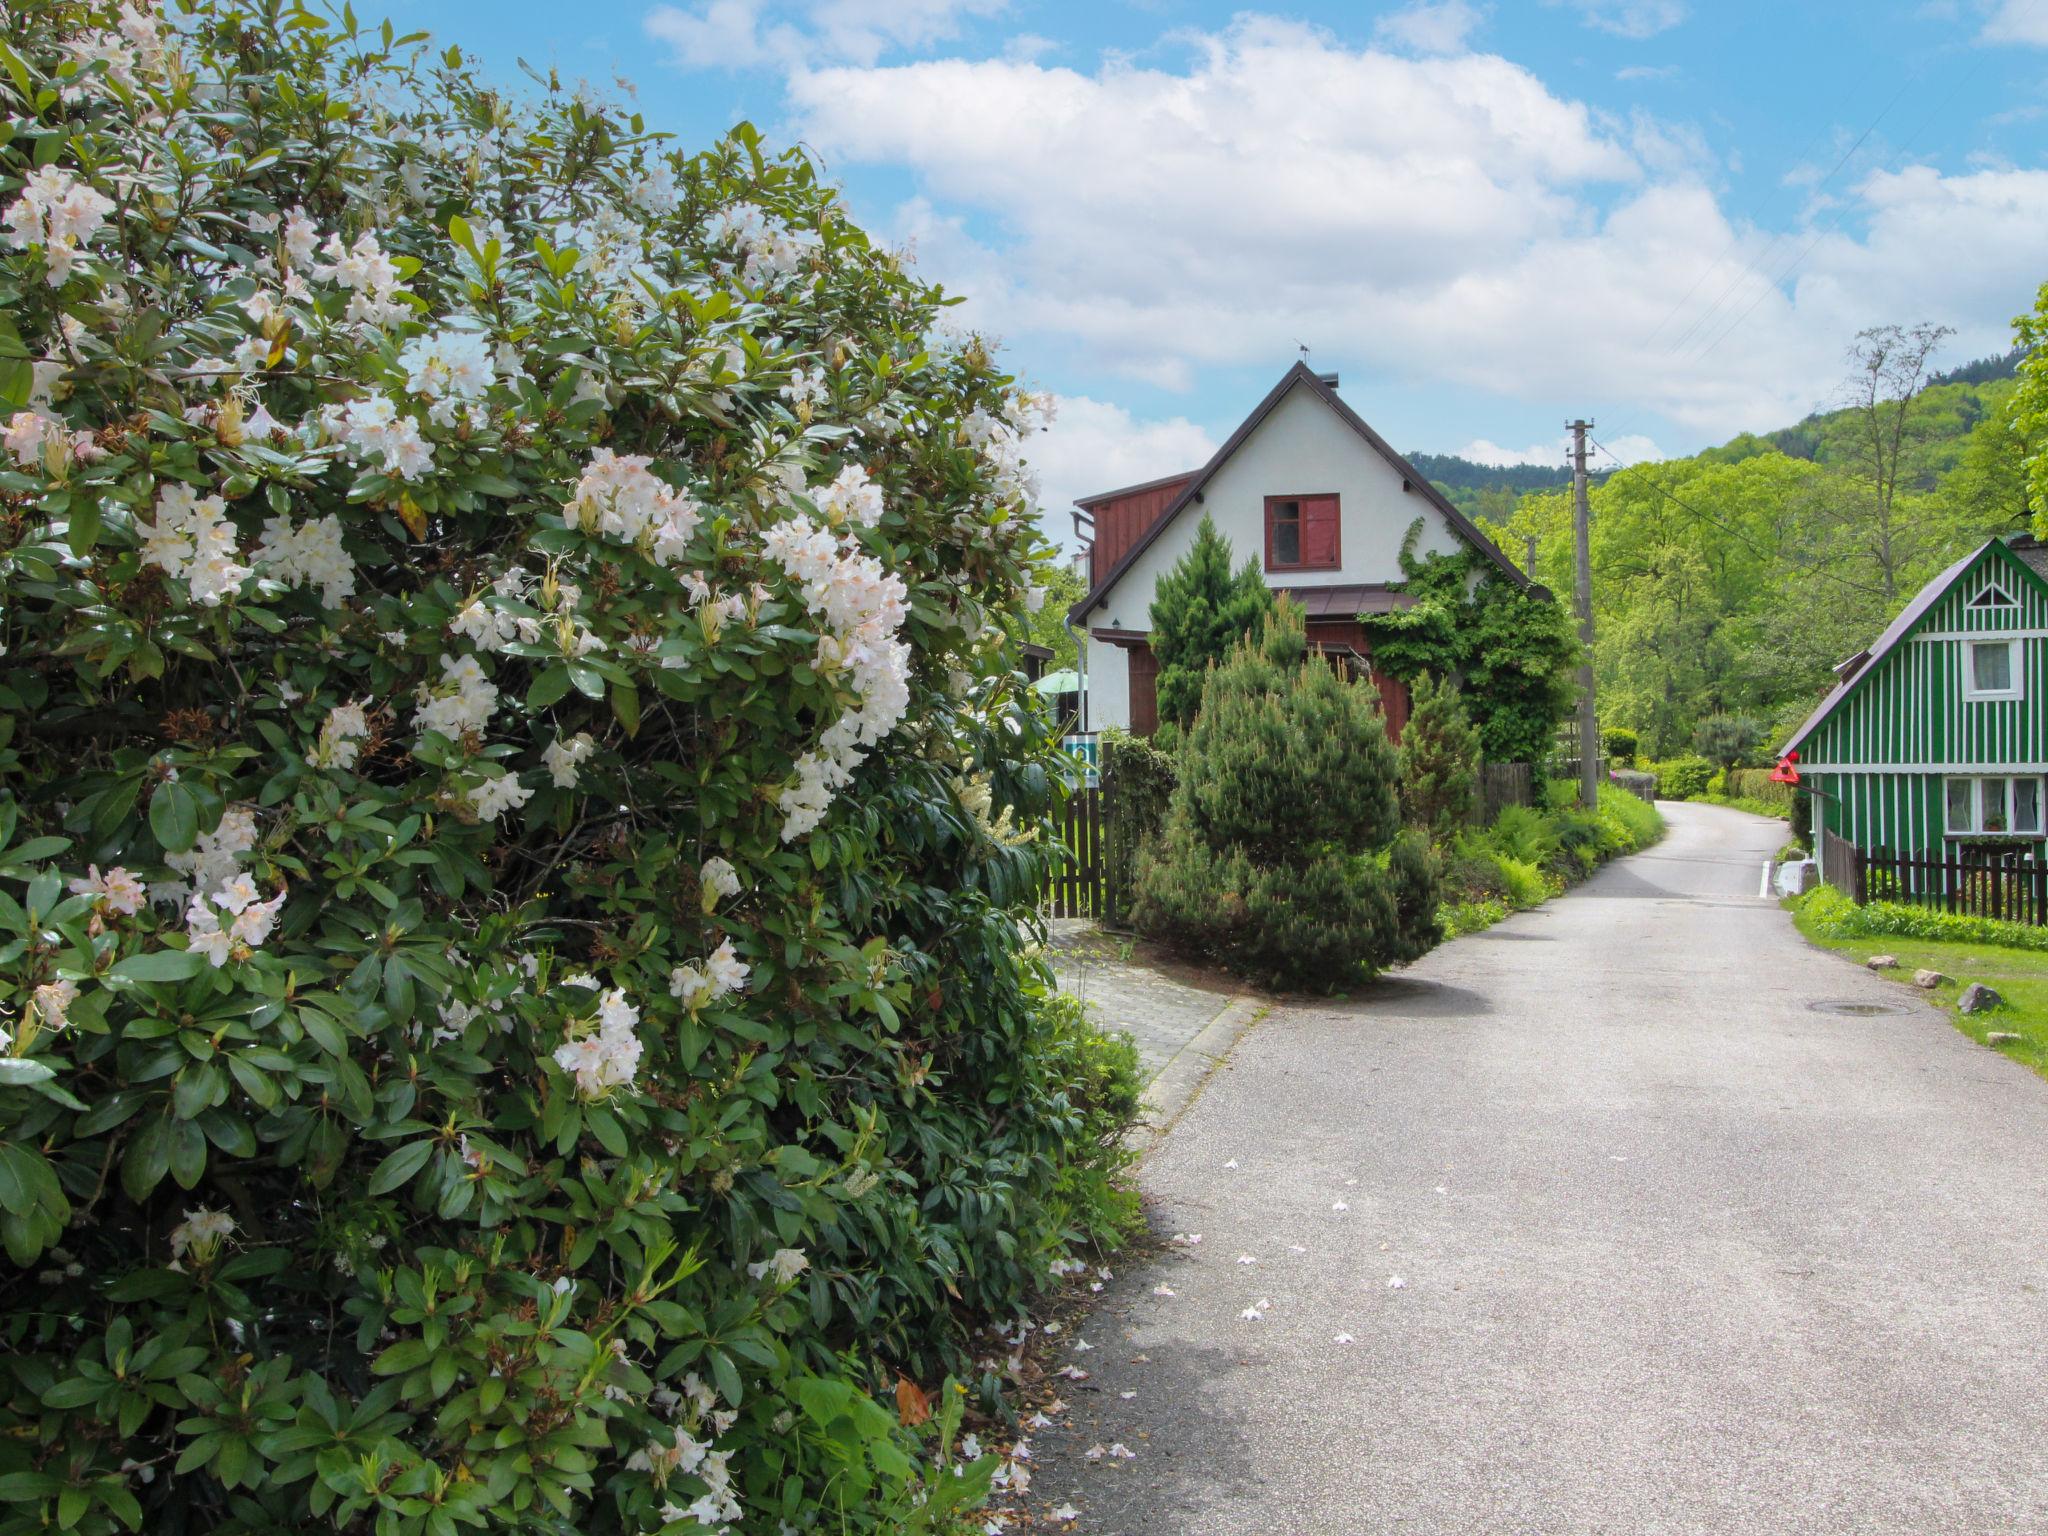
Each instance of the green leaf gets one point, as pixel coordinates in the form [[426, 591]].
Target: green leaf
[[548, 688], [159, 965], [174, 817], [399, 1167]]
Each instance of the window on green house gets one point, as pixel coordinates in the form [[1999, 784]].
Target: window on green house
[[1993, 670], [1993, 805], [1993, 596]]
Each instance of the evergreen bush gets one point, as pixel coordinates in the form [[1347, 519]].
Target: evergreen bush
[[1199, 611], [1620, 744], [1682, 778], [1137, 783], [1439, 760], [514, 811], [1283, 854]]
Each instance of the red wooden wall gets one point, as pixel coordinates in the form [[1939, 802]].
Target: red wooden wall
[[1120, 521]]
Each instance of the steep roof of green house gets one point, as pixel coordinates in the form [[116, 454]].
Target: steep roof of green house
[[1859, 668]]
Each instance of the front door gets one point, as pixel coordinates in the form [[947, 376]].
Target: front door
[[1144, 673]]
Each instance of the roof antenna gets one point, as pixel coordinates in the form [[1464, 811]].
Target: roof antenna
[[1302, 346]]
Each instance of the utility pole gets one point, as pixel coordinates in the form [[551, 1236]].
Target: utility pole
[[1582, 561]]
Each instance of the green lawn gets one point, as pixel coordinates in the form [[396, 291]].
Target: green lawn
[[2019, 975]]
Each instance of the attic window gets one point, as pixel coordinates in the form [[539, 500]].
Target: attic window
[[1993, 596], [1991, 670], [1302, 533]]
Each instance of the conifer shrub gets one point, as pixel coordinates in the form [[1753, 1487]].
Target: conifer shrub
[[1200, 610], [514, 813], [1137, 784], [1439, 760], [1284, 855]]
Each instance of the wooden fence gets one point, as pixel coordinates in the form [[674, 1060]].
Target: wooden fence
[[1841, 863], [1076, 889], [1502, 785], [2010, 885]]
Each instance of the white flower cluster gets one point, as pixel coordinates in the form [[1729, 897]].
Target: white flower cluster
[[656, 190], [1000, 441], [492, 629], [806, 387], [619, 495], [215, 858], [862, 605], [115, 891], [717, 1507], [784, 1265], [718, 880], [448, 367], [136, 46], [493, 797], [193, 541], [606, 1057], [373, 425], [38, 440], [851, 497], [722, 972], [771, 252], [309, 554], [370, 276], [58, 212], [342, 735], [462, 702], [249, 920], [200, 1235], [562, 756]]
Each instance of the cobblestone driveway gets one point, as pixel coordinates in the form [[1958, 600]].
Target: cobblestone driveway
[[1162, 1013]]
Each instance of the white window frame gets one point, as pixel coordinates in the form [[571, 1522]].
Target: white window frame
[[1993, 596], [2016, 655], [2012, 782]]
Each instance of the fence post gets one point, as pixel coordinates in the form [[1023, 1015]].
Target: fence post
[[1859, 890]]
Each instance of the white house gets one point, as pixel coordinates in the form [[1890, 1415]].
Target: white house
[[1306, 486]]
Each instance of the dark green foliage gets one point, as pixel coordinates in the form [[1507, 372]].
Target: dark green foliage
[[1137, 783], [1199, 611], [1281, 855], [1726, 740], [1098, 1077], [1439, 757], [1510, 648], [1620, 742], [1835, 916]]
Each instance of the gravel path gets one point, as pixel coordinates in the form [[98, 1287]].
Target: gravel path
[[1676, 1251]]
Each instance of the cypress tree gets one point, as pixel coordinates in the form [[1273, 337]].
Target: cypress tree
[[1439, 760], [1199, 611]]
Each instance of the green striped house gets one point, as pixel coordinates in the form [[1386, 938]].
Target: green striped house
[[1934, 742]]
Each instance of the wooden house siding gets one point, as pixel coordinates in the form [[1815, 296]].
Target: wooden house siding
[[1880, 759]]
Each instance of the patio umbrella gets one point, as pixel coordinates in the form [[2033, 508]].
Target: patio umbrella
[[1066, 681]]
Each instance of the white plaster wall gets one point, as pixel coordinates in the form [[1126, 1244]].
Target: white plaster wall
[[1302, 448], [1109, 685]]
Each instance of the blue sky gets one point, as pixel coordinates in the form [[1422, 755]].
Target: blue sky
[[1672, 215]]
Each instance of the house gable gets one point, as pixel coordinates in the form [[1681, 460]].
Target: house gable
[[1302, 440], [1908, 709]]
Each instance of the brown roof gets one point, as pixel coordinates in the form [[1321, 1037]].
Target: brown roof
[[1300, 374], [1347, 602]]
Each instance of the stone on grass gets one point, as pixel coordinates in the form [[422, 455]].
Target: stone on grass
[[1883, 962], [2001, 1037], [1928, 980], [1977, 998]]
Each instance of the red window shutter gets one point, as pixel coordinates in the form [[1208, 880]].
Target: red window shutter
[[1319, 532]]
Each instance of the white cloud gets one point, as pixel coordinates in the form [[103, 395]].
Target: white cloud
[[1484, 451], [2017, 21], [1094, 445], [1646, 72], [1631, 449], [1430, 26], [1449, 220], [743, 34], [1628, 18]]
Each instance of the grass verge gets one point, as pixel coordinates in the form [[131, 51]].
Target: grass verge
[[2020, 976]]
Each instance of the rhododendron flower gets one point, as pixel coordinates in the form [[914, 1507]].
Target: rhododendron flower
[[50, 1003], [342, 735], [718, 880], [58, 212], [785, 1265], [464, 701], [116, 890], [607, 1057], [200, 1235], [562, 756], [193, 541], [722, 973]]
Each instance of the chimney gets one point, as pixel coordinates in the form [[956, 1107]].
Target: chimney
[[1328, 378]]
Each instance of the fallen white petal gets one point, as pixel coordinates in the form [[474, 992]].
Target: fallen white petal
[[1245, 1258], [1342, 1338], [1096, 1452], [1163, 1290], [1395, 1283]]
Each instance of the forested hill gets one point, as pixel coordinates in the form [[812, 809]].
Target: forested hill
[[1487, 490], [1729, 583]]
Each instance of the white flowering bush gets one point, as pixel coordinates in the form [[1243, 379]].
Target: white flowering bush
[[513, 811]]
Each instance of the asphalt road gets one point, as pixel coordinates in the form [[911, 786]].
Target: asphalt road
[[1678, 1252]]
